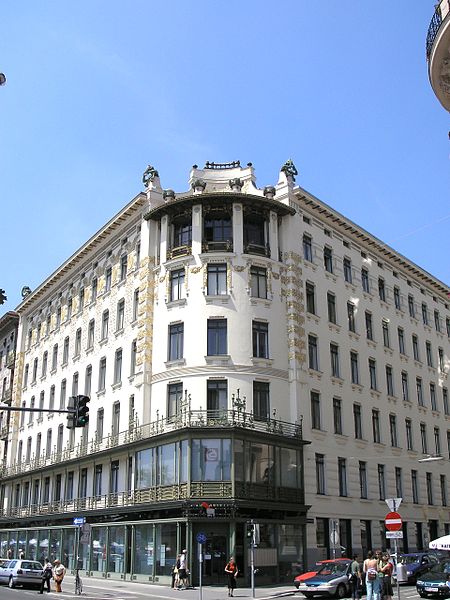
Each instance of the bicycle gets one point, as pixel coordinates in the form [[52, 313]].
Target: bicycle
[[78, 583]]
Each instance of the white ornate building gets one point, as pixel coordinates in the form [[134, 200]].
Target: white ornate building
[[249, 349], [438, 52]]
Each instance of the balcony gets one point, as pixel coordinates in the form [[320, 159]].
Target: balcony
[[10, 359], [220, 246], [4, 432], [177, 251], [185, 419], [438, 53], [259, 249], [7, 397]]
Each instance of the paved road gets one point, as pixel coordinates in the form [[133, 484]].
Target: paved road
[[98, 589]]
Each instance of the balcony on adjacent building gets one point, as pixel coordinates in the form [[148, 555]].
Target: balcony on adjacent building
[[438, 52]]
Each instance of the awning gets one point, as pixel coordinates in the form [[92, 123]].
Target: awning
[[442, 543]]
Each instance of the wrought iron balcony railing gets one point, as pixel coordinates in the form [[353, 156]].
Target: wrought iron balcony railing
[[10, 359], [176, 251], [186, 418], [433, 29]]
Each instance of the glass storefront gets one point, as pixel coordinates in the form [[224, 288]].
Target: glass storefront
[[143, 557], [116, 554]]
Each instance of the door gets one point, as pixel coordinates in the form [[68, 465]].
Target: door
[[215, 553]]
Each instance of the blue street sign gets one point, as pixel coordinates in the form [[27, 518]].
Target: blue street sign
[[201, 537], [79, 521]]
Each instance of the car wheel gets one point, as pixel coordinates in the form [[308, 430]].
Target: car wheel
[[423, 595], [341, 591], [11, 583]]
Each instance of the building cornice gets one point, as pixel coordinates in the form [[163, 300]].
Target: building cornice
[[99, 237], [370, 242], [8, 321]]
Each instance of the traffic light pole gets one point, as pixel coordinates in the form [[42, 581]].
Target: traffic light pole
[[252, 559], [24, 409]]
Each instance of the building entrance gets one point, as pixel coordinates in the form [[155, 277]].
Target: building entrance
[[215, 553]]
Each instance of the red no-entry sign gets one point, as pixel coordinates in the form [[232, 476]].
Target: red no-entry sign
[[393, 521]]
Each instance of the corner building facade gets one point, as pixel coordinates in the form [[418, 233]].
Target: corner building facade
[[249, 353]]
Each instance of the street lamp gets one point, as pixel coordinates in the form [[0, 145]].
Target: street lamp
[[2, 79]]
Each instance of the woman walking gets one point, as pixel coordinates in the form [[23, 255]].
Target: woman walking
[[386, 568], [59, 570], [231, 570], [370, 569]]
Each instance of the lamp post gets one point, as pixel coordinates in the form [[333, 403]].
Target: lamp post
[[2, 79]]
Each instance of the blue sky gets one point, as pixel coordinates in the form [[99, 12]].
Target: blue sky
[[98, 90]]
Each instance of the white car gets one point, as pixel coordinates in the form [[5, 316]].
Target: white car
[[21, 572]]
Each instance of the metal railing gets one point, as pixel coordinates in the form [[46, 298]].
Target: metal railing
[[185, 419], [433, 29]]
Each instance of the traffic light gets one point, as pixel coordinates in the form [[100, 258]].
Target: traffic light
[[82, 411], [249, 532], [71, 416], [3, 297]]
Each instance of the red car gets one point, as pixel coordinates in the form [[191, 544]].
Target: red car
[[310, 574]]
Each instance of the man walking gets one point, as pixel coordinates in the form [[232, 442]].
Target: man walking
[[182, 571]]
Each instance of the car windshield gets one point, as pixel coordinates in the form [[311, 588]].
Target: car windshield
[[333, 569], [442, 567], [28, 564], [408, 560]]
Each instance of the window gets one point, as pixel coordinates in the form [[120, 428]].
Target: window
[[25, 377], [429, 480], [81, 299], [424, 314], [115, 425], [381, 482], [307, 248], [441, 359], [348, 270], [429, 354], [100, 424], [65, 358], [409, 435], [48, 447], [177, 278], [62, 394], [397, 301], [351, 316], [423, 438], [261, 401], [310, 298], [369, 326], [120, 315], [437, 441], [328, 259], [174, 396], [393, 430], [55, 357], [108, 278], [75, 384], [401, 341], [123, 267], [373, 373], [82, 484], [60, 439], [443, 483], [258, 283], [334, 357], [437, 321], [363, 479], [217, 279], [114, 477], [415, 345], [35, 368], [381, 289], [342, 476], [357, 421], [98, 480], [94, 289], [105, 325], [69, 308], [133, 356], [337, 415], [217, 337], [135, 304], [91, 334], [31, 414], [398, 482], [365, 282], [313, 356], [88, 380], [41, 403], [419, 391], [102, 374], [260, 333], [376, 426], [433, 401], [77, 347], [411, 306], [216, 395], [138, 254], [389, 381], [44, 364], [320, 474], [447, 326], [354, 368], [405, 386], [445, 401], [315, 410], [69, 486], [118, 366], [51, 401], [385, 326], [414, 487], [331, 304], [176, 341]]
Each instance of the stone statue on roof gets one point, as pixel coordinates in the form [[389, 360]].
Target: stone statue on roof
[[149, 175], [289, 169]]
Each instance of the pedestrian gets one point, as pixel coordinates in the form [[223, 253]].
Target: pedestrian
[[386, 569], [47, 574], [182, 571], [175, 568], [355, 578], [21, 554], [370, 569], [59, 570], [232, 572]]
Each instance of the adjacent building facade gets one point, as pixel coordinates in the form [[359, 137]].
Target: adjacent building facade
[[249, 354], [438, 52]]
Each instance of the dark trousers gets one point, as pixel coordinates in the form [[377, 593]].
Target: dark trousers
[[45, 580]]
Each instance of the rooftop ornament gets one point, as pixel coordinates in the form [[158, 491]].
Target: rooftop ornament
[[26, 291], [149, 175], [168, 195], [199, 185], [229, 165], [269, 192], [236, 184], [289, 169]]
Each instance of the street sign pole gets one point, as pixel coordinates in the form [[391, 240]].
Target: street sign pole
[[394, 504], [200, 569]]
